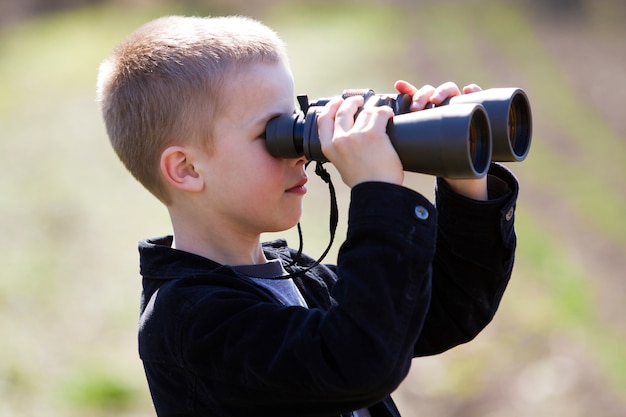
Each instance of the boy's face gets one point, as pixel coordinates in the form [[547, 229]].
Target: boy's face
[[246, 187]]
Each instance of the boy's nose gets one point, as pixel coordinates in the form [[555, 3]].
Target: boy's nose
[[300, 161]]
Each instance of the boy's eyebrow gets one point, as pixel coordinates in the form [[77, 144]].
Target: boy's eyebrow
[[270, 115]]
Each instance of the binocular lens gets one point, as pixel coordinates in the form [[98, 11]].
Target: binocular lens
[[519, 125], [479, 141]]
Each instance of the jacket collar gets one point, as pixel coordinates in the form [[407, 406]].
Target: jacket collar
[[158, 260]]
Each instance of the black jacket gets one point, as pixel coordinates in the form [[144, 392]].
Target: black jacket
[[411, 280]]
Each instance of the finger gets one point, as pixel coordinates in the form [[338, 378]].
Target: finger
[[404, 87], [471, 88], [422, 97], [380, 118], [444, 91], [373, 118], [345, 116], [326, 120]]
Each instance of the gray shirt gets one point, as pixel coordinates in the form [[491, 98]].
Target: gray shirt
[[271, 276]]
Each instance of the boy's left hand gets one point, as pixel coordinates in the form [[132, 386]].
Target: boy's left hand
[[472, 188]]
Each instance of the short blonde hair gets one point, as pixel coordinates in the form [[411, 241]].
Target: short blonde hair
[[165, 82]]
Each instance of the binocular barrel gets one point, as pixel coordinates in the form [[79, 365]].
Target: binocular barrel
[[457, 139], [510, 118]]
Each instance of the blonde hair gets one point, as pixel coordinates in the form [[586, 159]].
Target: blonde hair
[[164, 84]]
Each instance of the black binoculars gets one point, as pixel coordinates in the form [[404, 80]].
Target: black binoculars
[[456, 139]]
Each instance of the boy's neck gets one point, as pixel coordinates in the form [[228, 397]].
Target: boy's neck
[[222, 251], [220, 244]]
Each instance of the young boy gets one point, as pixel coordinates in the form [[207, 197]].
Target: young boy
[[228, 327]]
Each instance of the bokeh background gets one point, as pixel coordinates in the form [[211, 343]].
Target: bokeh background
[[70, 216]]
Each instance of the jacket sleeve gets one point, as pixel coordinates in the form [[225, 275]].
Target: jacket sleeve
[[254, 354], [473, 262]]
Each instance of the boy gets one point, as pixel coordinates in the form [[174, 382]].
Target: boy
[[231, 327]]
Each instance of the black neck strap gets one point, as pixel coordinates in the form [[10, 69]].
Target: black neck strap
[[321, 172]]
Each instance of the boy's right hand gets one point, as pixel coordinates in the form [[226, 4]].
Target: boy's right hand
[[360, 149]]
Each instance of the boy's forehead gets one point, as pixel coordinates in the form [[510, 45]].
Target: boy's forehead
[[260, 81]]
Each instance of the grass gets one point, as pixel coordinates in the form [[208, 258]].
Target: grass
[[69, 290], [568, 299]]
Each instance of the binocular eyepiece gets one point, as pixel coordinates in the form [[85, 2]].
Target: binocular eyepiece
[[457, 139]]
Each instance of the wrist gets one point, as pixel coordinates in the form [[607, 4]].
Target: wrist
[[475, 189]]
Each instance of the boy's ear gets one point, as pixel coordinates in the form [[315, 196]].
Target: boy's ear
[[178, 170]]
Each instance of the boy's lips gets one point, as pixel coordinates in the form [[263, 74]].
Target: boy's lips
[[300, 187]]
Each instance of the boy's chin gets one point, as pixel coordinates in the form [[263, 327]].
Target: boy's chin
[[287, 225]]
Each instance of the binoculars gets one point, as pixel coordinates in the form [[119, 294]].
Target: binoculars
[[456, 139]]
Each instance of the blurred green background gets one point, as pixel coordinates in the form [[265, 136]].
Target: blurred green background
[[71, 216]]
